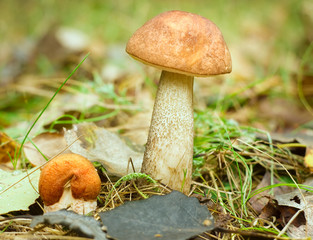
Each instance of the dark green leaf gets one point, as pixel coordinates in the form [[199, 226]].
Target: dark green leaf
[[173, 216], [83, 225]]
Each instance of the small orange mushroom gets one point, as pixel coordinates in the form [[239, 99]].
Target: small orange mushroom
[[69, 181]]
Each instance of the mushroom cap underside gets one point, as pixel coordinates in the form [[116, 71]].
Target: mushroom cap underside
[[181, 42]]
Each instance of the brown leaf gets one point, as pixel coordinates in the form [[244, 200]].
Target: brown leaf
[[308, 159], [288, 212], [258, 202], [297, 203], [8, 148], [270, 209]]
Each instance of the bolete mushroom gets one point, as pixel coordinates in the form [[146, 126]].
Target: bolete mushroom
[[69, 181], [182, 45]]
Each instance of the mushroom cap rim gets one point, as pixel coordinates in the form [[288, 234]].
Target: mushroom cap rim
[[227, 71]]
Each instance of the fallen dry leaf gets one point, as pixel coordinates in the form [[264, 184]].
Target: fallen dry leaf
[[270, 209], [22, 194], [259, 201], [300, 203], [8, 150], [308, 159], [287, 213], [291, 204], [48, 144], [98, 144]]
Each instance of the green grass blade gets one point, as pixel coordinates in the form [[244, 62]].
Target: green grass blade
[[44, 109]]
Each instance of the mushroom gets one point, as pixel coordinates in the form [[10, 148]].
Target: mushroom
[[182, 45], [69, 181]]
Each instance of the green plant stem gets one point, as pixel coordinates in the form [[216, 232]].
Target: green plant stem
[[47, 105], [305, 59]]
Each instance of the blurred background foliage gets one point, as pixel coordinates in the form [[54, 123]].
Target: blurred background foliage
[[270, 87]]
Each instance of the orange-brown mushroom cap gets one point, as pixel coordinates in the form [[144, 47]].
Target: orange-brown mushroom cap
[[181, 42], [74, 169]]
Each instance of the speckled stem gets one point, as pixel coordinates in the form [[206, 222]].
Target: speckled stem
[[169, 149]]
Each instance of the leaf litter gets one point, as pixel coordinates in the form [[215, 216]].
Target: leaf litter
[[98, 144], [89, 135], [294, 210], [43, 147]]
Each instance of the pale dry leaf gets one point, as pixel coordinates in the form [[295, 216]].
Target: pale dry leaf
[[8, 147], [49, 144], [301, 201], [308, 159], [22, 194], [98, 144]]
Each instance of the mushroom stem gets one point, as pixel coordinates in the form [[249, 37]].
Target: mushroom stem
[[169, 149]]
